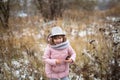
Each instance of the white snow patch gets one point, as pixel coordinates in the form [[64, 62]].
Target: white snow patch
[[16, 73], [16, 64], [82, 33], [22, 14], [86, 32]]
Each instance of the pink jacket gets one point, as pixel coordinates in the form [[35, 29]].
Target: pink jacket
[[54, 70]]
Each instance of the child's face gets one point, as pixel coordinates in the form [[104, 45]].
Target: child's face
[[58, 39]]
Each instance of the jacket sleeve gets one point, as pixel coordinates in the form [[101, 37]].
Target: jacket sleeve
[[47, 56], [72, 53]]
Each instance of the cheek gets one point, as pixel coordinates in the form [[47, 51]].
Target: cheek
[[61, 40]]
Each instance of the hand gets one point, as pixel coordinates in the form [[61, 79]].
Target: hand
[[69, 60], [67, 57], [58, 61]]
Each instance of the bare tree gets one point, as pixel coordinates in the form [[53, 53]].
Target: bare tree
[[50, 9], [4, 13]]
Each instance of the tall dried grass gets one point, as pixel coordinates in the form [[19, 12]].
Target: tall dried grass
[[12, 44]]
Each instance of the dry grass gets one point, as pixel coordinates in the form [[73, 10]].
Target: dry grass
[[77, 20]]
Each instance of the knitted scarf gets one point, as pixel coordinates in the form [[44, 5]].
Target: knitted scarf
[[61, 45]]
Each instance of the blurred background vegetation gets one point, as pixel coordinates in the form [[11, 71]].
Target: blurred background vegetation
[[92, 27]]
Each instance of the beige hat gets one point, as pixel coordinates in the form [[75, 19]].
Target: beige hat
[[57, 31]]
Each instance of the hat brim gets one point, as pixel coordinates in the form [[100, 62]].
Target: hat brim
[[57, 34]]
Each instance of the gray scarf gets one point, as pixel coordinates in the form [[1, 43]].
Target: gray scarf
[[61, 45]]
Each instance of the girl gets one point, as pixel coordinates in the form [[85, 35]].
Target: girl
[[57, 56]]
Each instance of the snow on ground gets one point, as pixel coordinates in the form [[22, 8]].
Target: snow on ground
[[22, 14], [20, 67]]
